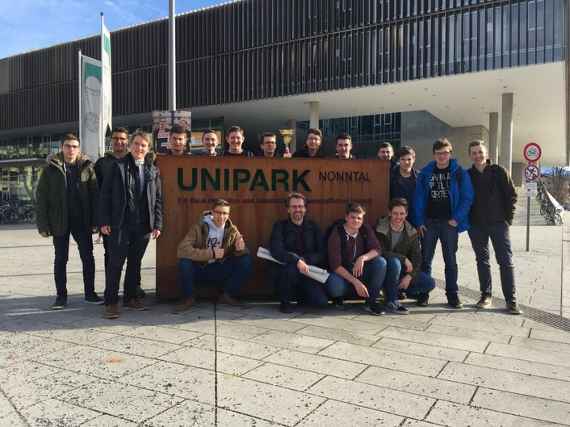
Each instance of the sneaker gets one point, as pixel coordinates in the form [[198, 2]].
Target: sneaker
[[286, 308], [111, 311], [374, 309], [513, 308], [423, 300], [454, 302], [140, 293], [484, 301], [338, 304], [229, 300], [94, 299], [59, 304], [393, 308], [402, 295], [184, 305], [136, 304]]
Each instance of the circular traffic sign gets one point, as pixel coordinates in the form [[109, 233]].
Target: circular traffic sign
[[531, 173], [532, 152]]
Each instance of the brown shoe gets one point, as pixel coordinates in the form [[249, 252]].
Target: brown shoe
[[111, 311], [184, 305], [136, 304], [229, 300]]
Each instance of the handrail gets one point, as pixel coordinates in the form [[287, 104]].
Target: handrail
[[550, 209]]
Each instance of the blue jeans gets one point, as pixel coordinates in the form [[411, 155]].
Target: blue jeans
[[233, 272], [291, 284], [422, 283], [372, 277], [448, 236]]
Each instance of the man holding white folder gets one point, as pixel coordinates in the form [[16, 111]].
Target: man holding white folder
[[297, 242]]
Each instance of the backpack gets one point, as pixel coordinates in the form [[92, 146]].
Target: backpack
[[338, 227]]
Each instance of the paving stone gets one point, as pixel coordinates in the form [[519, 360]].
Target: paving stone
[[122, 400], [332, 413], [418, 384], [108, 421], [14, 375], [337, 322], [233, 419], [184, 414], [6, 407], [338, 335], [507, 381], [552, 346], [455, 415], [179, 380], [238, 329], [192, 356], [19, 347], [385, 358], [77, 336], [236, 365], [163, 334], [475, 324], [13, 420], [525, 406], [138, 346], [550, 335], [409, 322], [469, 333], [294, 341], [525, 353], [249, 349], [316, 363], [57, 413], [409, 347], [272, 323], [374, 397], [264, 401], [416, 423], [284, 376]]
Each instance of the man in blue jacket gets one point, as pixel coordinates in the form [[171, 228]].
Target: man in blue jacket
[[443, 198]]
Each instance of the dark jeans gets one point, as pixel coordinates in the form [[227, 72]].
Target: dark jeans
[[85, 246], [500, 238], [420, 284], [106, 260], [291, 284], [372, 277], [130, 245], [233, 272], [448, 236]]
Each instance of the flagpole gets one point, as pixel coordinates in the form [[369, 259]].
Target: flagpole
[[172, 56], [79, 80], [102, 132]]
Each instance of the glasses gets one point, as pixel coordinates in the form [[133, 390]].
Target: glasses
[[221, 212]]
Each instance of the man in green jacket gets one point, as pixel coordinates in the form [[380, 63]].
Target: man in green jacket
[[66, 199]]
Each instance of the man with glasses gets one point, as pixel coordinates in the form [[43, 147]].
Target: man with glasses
[[443, 198], [213, 251], [66, 199], [313, 145]]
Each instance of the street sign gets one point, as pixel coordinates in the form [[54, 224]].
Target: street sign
[[531, 173], [532, 152], [531, 189]]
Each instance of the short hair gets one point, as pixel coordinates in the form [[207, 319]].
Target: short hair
[[268, 135], [476, 143], [314, 131], [178, 129], [352, 207], [220, 202], [235, 129], [295, 195], [120, 130], [386, 144], [69, 137], [209, 131], [398, 201], [343, 135], [142, 134], [406, 150], [442, 143]]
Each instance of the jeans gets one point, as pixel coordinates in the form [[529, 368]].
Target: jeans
[[420, 284], [372, 277], [291, 284], [448, 236], [130, 245], [500, 238], [85, 245], [233, 271]]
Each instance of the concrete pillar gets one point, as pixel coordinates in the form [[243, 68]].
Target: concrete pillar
[[493, 137], [506, 151], [314, 114]]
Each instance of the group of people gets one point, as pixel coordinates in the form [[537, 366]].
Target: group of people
[[120, 196]]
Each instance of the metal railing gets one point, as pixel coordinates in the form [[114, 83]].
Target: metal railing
[[550, 209]]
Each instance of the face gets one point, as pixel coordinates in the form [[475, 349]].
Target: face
[[70, 150], [177, 143], [235, 141], [478, 154], [407, 162], [210, 141], [385, 153], [120, 143], [297, 209], [139, 147], [221, 214], [398, 215], [354, 220], [269, 146], [313, 142], [343, 148], [442, 157]]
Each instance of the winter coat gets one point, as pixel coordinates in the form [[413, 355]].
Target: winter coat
[[283, 245], [496, 201], [407, 247]]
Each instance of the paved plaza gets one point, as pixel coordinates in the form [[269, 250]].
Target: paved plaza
[[218, 365]]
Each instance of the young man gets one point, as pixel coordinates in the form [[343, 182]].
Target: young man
[[401, 248], [386, 152], [298, 242], [313, 143], [66, 201], [403, 179], [344, 147], [178, 144], [442, 201], [491, 214], [268, 147], [210, 143], [354, 261], [235, 139], [130, 213], [213, 251]]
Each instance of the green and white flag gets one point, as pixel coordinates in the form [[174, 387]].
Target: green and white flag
[[106, 86], [92, 140]]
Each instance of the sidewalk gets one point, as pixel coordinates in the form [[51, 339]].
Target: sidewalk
[[256, 367]]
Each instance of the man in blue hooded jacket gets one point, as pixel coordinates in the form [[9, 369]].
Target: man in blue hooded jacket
[[443, 198]]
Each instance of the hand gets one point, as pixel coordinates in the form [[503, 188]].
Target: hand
[[218, 253], [405, 282], [44, 233], [358, 267], [302, 266], [360, 289], [155, 234], [452, 222], [409, 266], [106, 230], [240, 243], [421, 230]]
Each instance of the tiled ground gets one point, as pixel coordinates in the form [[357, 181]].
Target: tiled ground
[[257, 367]]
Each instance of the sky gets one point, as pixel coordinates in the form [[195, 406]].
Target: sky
[[34, 24]]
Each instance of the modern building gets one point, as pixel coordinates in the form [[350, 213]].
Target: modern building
[[405, 71]]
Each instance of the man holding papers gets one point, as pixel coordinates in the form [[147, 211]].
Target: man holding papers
[[297, 242]]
